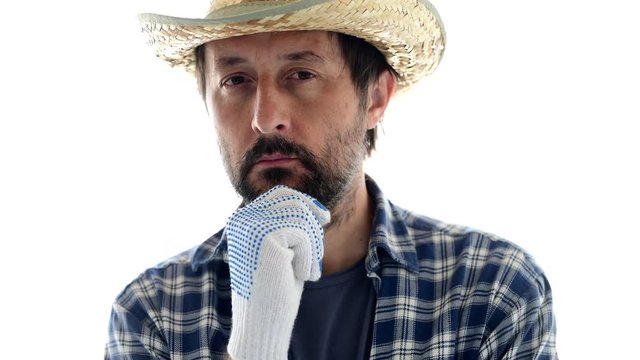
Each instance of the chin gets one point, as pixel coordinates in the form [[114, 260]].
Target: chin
[[280, 176], [266, 184], [261, 182]]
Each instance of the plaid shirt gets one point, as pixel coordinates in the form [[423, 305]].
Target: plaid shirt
[[443, 292]]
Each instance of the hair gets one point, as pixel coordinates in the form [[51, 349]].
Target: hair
[[366, 63]]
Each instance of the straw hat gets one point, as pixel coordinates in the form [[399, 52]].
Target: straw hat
[[409, 33]]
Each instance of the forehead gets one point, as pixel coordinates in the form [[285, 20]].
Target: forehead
[[276, 44]]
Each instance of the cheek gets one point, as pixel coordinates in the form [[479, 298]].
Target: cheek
[[228, 144], [233, 139], [231, 117], [344, 117]]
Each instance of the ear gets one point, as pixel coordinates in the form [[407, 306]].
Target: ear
[[380, 93]]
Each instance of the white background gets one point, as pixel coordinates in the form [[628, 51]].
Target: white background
[[108, 163]]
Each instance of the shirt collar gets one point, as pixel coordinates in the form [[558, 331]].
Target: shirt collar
[[390, 237], [214, 247]]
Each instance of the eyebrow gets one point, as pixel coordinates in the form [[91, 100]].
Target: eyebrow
[[227, 61], [305, 55]]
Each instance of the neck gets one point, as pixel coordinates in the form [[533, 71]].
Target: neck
[[347, 236]]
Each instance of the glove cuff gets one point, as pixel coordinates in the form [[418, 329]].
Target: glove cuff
[[264, 334]]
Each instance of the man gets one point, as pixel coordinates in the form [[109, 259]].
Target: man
[[316, 263]]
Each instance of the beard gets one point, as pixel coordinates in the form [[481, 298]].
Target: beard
[[327, 175]]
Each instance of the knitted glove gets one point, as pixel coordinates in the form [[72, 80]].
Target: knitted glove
[[275, 244]]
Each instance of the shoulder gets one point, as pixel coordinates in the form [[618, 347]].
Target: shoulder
[[180, 306], [467, 257], [488, 281], [177, 277]]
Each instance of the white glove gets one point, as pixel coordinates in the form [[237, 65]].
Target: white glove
[[275, 244]]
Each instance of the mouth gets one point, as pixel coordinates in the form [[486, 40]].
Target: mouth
[[275, 159]]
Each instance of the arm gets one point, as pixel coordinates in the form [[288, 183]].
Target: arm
[[267, 271], [133, 335], [528, 330], [275, 245]]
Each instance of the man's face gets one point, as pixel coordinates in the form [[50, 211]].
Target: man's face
[[286, 112]]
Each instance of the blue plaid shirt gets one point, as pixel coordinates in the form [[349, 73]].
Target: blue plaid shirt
[[443, 292]]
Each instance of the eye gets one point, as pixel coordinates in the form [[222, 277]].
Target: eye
[[302, 75], [234, 80]]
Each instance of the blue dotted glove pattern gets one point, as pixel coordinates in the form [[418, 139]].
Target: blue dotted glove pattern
[[277, 209]]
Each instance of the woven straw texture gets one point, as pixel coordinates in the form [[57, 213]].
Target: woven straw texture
[[408, 32]]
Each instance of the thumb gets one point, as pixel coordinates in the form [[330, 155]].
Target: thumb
[[305, 266], [317, 208]]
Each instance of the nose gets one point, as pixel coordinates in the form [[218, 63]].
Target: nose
[[270, 114]]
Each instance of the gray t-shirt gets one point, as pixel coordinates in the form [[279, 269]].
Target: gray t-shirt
[[335, 317]]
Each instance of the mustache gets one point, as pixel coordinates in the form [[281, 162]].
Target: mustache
[[269, 145]]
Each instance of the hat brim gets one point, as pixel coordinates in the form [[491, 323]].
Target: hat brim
[[409, 34]]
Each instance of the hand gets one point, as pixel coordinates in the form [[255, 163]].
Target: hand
[[275, 244]]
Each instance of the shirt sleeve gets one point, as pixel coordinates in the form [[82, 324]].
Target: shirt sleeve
[[134, 332], [527, 330]]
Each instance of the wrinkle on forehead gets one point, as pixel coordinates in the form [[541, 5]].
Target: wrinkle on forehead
[[304, 55], [310, 46]]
